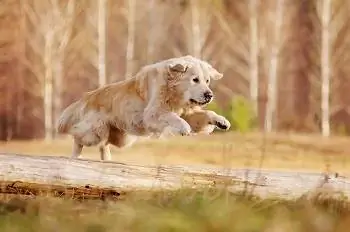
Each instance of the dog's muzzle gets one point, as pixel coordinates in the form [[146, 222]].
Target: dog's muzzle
[[208, 96]]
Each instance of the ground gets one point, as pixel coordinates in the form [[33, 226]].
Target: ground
[[188, 209], [274, 151]]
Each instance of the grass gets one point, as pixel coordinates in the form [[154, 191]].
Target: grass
[[279, 151], [182, 210], [191, 210]]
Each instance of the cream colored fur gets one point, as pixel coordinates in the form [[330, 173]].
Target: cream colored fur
[[168, 95]]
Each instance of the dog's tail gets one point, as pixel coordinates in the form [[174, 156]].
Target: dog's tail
[[68, 117]]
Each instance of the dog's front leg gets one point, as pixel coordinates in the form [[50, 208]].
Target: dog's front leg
[[220, 121], [205, 121], [159, 122]]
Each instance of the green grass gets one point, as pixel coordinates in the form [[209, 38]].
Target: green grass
[[183, 210]]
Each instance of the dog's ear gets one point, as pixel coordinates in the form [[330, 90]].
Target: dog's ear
[[214, 74], [177, 67]]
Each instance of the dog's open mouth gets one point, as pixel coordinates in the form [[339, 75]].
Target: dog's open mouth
[[197, 102]]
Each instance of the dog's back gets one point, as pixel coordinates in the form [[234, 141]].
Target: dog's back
[[94, 100]]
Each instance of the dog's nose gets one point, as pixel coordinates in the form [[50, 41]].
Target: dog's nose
[[208, 95]]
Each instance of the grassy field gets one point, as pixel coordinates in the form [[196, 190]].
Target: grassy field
[[183, 210], [275, 151], [191, 210]]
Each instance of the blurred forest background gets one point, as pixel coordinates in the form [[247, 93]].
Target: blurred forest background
[[287, 59]]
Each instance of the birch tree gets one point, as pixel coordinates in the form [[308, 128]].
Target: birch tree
[[130, 47], [233, 48], [340, 53], [48, 82], [21, 51], [102, 20], [272, 75], [253, 58], [152, 20], [54, 25], [63, 19], [197, 40], [96, 19], [325, 66], [201, 17], [6, 43]]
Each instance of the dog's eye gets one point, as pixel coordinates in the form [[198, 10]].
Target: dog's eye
[[195, 80], [207, 81]]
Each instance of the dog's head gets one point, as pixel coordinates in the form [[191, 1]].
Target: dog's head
[[191, 78]]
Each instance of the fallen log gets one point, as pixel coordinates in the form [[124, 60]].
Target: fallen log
[[28, 174]]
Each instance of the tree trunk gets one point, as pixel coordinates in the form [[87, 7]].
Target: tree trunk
[[48, 86], [253, 59], [152, 20], [196, 30], [64, 30], [57, 89], [102, 21], [65, 174], [21, 70], [325, 66], [131, 39], [272, 78], [303, 31]]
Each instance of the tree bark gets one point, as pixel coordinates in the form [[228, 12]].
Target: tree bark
[[48, 86], [102, 21], [196, 30], [131, 39], [152, 20], [273, 68], [22, 30], [59, 173], [303, 30], [325, 66], [253, 59]]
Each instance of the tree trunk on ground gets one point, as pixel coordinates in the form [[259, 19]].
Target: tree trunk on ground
[[64, 173]]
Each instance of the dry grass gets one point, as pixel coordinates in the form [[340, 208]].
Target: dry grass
[[183, 210], [191, 210], [279, 151]]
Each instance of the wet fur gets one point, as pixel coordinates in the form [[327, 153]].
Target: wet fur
[[157, 98]]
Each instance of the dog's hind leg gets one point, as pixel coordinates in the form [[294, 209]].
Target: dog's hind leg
[[105, 152], [117, 138], [91, 131], [77, 149]]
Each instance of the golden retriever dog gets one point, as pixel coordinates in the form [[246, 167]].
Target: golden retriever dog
[[165, 96]]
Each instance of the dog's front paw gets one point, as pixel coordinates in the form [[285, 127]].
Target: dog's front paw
[[222, 123], [185, 130]]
